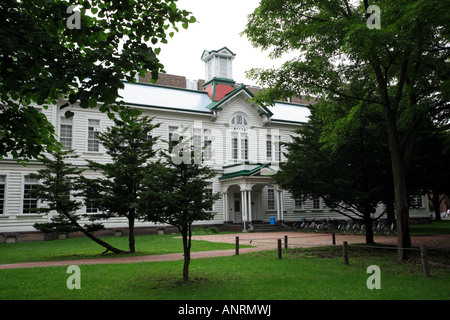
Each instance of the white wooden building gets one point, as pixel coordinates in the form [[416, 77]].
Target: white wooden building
[[242, 139]]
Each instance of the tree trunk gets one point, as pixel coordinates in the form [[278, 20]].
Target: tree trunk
[[369, 230], [186, 234], [390, 212], [437, 205], [131, 239], [107, 246], [400, 190]]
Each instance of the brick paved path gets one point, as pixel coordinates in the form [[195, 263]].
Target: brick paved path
[[260, 241]]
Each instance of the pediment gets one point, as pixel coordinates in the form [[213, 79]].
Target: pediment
[[244, 95], [223, 52]]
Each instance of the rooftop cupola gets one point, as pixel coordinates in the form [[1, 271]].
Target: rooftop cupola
[[218, 72], [218, 64]]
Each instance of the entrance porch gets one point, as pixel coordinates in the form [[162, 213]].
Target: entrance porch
[[242, 189]]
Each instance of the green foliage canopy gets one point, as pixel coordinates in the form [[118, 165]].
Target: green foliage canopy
[[43, 61]]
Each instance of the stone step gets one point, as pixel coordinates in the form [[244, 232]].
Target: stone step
[[266, 227]]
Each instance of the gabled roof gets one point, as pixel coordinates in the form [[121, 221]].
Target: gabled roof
[[157, 96], [223, 51], [165, 97], [217, 105]]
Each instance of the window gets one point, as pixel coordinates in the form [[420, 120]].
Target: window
[[197, 140], [93, 141], [298, 204], [173, 136], [316, 203], [207, 144], [223, 67], [30, 201], [239, 145], [417, 201], [234, 145], [277, 148], [90, 208], [244, 146], [273, 148], [209, 193], [150, 137], [270, 198], [269, 147], [239, 123], [209, 70], [65, 133], [2, 193]]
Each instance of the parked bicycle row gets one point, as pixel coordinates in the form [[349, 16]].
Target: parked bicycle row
[[349, 226]]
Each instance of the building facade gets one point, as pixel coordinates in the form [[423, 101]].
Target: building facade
[[241, 141]]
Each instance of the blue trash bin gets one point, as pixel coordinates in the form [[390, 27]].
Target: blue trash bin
[[272, 221]]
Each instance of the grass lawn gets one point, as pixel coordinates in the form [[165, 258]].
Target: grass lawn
[[84, 248], [435, 228], [302, 274]]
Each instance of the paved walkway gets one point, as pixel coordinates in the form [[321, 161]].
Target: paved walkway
[[260, 241]]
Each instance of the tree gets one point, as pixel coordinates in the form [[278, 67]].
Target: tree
[[52, 51], [131, 147], [353, 176], [177, 194], [403, 66], [58, 182]]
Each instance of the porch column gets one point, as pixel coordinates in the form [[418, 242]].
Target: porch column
[[277, 203], [244, 206], [249, 206], [226, 210], [281, 205]]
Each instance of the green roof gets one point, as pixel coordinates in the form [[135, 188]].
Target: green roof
[[243, 173]]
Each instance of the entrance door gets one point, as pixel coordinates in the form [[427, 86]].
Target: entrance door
[[237, 208]]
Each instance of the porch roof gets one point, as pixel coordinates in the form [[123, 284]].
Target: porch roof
[[244, 171]]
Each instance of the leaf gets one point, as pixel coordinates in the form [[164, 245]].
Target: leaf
[[92, 103], [69, 114]]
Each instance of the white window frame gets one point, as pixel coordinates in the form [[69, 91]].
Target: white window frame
[[86, 203], [271, 206], [62, 121], [170, 130], [418, 201], [22, 202], [298, 207], [273, 147], [239, 145], [5, 192], [210, 187], [269, 147], [87, 134], [207, 143], [319, 201]]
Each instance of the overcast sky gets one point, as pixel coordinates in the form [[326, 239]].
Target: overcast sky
[[219, 24]]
